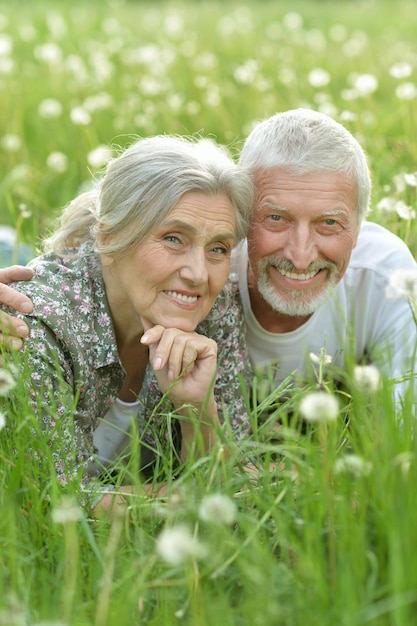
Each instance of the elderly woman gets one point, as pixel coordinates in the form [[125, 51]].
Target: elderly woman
[[135, 265]]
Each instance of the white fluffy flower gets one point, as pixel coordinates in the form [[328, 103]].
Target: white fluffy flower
[[318, 77], [319, 406], [322, 358], [80, 116], [353, 464], [67, 512], [177, 545], [406, 91], [218, 509], [405, 211], [2, 420], [402, 282], [411, 179], [57, 162], [401, 70], [365, 84], [50, 108], [99, 156], [367, 377], [11, 142], [7, 382]]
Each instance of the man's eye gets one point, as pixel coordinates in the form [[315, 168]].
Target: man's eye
[[330, 222], [219, 250], [275, 218]]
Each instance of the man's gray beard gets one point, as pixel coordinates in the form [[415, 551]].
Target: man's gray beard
[[297, 302]]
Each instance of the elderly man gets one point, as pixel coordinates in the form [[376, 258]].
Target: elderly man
[[313, 274]]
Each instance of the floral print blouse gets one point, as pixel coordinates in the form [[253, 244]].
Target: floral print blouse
[[76, 372]]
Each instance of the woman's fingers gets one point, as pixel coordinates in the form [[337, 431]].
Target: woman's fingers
[[177, 350]]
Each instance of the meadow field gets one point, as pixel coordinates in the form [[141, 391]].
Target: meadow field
[[325, 532]]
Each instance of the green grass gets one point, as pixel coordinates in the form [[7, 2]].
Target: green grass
[[310, 544]]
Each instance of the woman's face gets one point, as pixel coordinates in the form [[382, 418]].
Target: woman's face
[[173, 277]]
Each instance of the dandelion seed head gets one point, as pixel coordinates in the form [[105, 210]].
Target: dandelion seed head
[[388, 204], [354, 465], [11, 142], [177, 545], [400, 70], [318, 77], [98, 101], [49, 53], [367, 377], [50, 108], [57, 162], [399, 183], [411, 179], [24, 211], [218, 508], [99, 156], [292, 21], [365, 84], [68, 511], [80, 117], [319, 406], [7, 382], [322, 357], [338, 32], [406, 91], [404, 461], [405, 211], [6, 45], [245, 74], [402, 283]]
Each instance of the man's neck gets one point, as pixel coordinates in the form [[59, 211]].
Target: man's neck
[[270, 320]]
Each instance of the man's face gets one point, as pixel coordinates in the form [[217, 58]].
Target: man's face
[[302, 234]]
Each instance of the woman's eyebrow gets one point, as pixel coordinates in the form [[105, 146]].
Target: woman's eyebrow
[[175, 223]]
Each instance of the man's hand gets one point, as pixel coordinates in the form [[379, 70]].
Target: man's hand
[[12, 330]]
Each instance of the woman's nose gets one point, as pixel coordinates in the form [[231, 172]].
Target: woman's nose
[[194, 268]]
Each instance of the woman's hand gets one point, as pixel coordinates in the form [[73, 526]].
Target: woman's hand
[[187, 359], [12, 329], [185, 366]]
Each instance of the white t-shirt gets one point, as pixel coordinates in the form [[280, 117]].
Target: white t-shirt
[[111, 437], [358, 315]]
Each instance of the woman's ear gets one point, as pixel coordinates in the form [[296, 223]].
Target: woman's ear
[[103, 240], [106, 259]]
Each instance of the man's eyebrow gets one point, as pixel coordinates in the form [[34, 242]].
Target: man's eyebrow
[[335, 212], [283, 209], [274, 207]]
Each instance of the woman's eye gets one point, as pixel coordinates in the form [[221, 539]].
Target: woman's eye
[[172, 239]]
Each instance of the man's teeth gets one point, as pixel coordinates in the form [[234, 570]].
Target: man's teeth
[[182, 297], [295, 276]]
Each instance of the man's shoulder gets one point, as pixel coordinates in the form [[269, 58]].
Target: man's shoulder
[[380, 250]]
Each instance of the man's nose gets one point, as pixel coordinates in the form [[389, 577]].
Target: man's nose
[[300, 247]]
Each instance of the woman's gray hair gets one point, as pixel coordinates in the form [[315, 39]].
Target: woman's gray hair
[[304, 141], [142, 185]]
